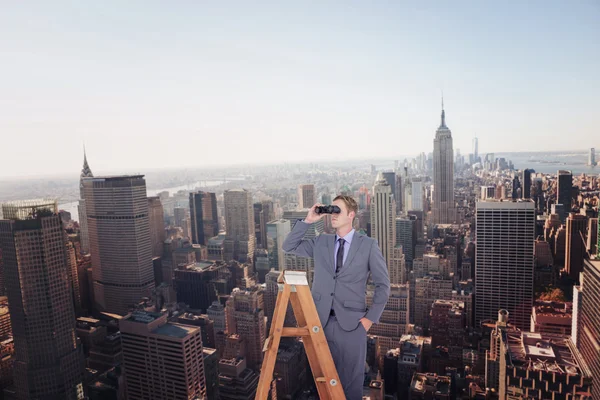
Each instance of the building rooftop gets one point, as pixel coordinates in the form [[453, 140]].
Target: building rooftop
[[553, 309], [27, 209], [543, 352], [200, 266], [175, 330], [114, 177], [143, 317], [430, 383]]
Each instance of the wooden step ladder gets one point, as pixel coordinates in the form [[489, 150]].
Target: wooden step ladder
[[293, 286]]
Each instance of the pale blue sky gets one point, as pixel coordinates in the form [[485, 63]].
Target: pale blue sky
[[190, 83]]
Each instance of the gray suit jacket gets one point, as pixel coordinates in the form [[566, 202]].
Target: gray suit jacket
[[344, 292]]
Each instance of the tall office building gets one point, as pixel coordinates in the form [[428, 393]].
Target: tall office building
[[427, 290], [394, 321], [575, 247], [443, 210], [417, 195], [119, 228], [526, 184], [564, 187], [448, 321], [475, 148], [203, 216], [48, 362], [197, 283], [307, 196], [406, 236], [592, 237], [592, 157], [86, 172], [383, 215], [277, 231], [398, 194], [161, 360], [397, 266], [314, 229], [504, 260], [260, 226], [488, 192], [390, 178], [239, 221], [245, 309], [587, 320], [157, 226]]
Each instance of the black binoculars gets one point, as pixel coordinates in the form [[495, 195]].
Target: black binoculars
[[331, 209]]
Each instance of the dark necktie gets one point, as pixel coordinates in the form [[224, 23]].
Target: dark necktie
[[340, 256]]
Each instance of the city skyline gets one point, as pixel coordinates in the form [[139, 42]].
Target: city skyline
[[213, 129], [372, 73]]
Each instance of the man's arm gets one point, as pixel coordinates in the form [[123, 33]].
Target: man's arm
[[295, 244], [381, 279]]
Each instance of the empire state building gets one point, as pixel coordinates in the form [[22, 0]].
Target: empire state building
[[443, 210]]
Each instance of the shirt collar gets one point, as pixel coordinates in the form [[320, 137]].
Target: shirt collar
[[347, 238]]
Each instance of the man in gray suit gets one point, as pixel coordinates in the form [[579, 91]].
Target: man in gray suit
[[342, 265]]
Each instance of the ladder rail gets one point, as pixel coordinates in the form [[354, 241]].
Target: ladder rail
[[293, 287]]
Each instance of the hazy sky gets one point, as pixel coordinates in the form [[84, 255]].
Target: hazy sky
[[190, 83]]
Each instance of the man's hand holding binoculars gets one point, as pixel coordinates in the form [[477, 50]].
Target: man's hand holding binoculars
[[318, 211]]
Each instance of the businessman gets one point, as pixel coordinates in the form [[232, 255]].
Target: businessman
[[342, 265]]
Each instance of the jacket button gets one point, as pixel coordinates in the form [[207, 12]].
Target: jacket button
[[332, 294]]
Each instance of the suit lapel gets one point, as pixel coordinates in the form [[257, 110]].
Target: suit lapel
[[330, 250], [356, 242]]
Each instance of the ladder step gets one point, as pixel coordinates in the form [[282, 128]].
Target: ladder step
[[292, 332]]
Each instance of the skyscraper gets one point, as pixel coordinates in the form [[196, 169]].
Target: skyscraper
[[247, 309], [575, 246], [307, 197], [203, 216], [383, 215], [260, 226], [397, 266], [277, 231], [406, 236], [475, 148], [86, 172], [48, 360], [587, 319], [565, 185], [592, 157], [390, 178], [119, 228], [417, 195], [443, 210], [239, 221], [504, 260], [161, 360], [526, 184], [157, 225], [398, 198]]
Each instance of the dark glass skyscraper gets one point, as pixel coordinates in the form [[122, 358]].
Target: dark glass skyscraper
[[526, 184], [563, 191], [203, 214], [49, 362], [390, 178]]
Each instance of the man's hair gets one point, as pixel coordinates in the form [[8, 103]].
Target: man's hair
[[349, 202]]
